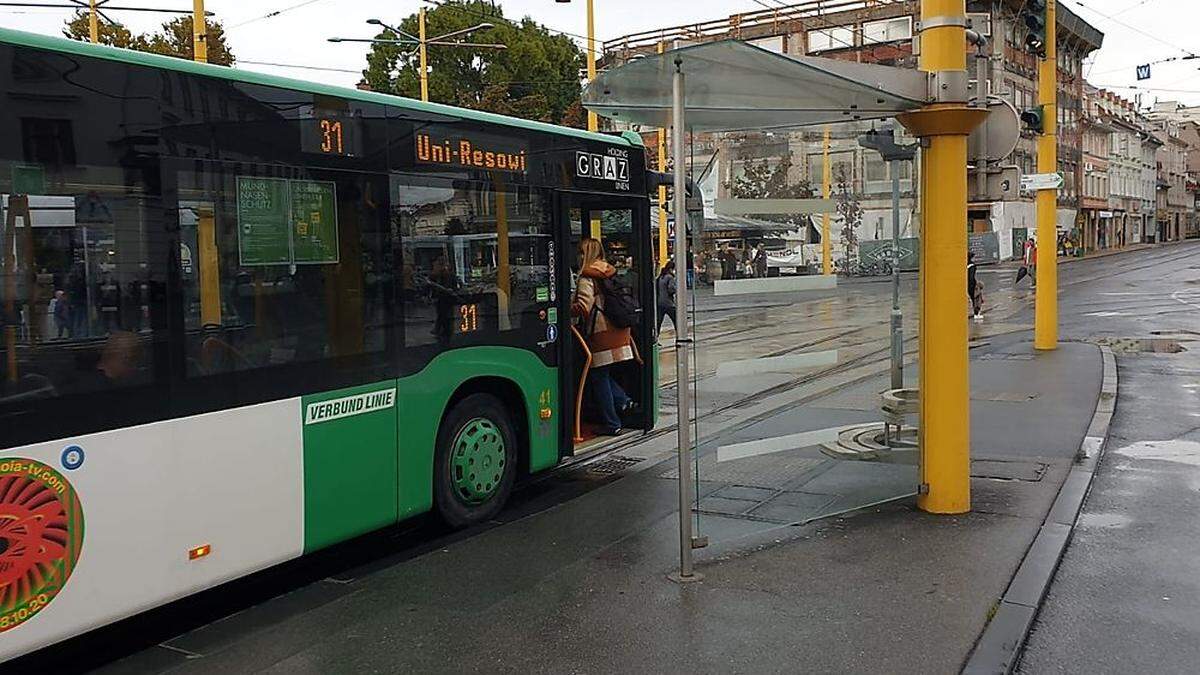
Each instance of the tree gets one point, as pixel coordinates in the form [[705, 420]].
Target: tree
[[850, 210], [174, 38], [112, 34], [535, 77], [760, 180]]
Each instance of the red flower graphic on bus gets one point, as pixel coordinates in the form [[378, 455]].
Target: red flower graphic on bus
[[41, 533]]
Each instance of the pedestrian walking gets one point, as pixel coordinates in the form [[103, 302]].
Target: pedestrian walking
[[760, 261], [665, 294], [1029, 263], [974, 288], [61, 312], [609, 343]]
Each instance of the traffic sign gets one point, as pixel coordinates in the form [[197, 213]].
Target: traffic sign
[[1041, 181]]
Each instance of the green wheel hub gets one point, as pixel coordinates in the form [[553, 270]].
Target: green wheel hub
[[477, 460]]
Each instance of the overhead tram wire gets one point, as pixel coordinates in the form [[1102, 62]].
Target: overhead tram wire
[[1135, 29], [496, 17], [272, 15]]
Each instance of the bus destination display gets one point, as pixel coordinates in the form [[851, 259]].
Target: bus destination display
[[470, 150]]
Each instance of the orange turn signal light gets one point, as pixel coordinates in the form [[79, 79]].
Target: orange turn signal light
[[199, 552]]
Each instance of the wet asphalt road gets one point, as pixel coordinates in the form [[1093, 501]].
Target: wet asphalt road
[[1126, 597], [1125, 295]]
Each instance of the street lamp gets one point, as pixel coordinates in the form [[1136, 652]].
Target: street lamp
[[422, 43], [592, 120]]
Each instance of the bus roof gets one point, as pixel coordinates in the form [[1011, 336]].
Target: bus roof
[[58, 44]]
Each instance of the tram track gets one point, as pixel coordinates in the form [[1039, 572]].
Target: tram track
[[876, 356]]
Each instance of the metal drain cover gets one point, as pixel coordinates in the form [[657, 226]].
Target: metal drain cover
[[614, 464]]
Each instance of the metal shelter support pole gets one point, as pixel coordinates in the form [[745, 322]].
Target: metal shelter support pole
[[683, 339], [897, 316], [1045, 326], [943, 125], [826, 187]]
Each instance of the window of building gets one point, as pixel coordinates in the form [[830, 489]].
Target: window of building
[[887, 30], [837, 37], [841, 164]]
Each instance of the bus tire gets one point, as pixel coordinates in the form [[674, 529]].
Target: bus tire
[[475, 465]]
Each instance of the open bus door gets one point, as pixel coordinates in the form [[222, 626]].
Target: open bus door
[[623, 226]]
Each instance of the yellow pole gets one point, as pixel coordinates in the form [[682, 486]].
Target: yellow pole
[[424, 60], [593, 121], [1045, 323], [945, 389], [199, 31], [662, 191], [8, 263], [93, 22], [662, 200], [826, 187], [209, 264]]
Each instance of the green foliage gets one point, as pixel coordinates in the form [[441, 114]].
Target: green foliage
[[174, 38], [849, 209], [760, 180], [535, 77]]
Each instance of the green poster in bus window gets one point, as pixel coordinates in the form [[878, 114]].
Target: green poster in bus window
[[314, 222], [262, 220]]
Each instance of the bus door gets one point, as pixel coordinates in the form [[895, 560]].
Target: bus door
[[622, 226]]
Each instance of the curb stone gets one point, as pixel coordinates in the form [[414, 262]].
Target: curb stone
[[999, 646]]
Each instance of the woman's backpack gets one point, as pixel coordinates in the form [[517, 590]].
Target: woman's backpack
[[620, 304]]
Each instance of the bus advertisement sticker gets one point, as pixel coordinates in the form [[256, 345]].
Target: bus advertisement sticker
[[551, 332], [41, 535], [72, 457]]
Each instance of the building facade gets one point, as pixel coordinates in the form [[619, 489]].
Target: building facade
[[1099, 226], [882, 31]]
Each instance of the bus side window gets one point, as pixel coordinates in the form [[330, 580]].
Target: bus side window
[[475, 257], [280, 270]]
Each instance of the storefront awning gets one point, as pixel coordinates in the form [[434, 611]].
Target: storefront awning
[[723, 227], [733, 86]]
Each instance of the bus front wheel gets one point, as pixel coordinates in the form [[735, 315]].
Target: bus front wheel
[[476, 461]]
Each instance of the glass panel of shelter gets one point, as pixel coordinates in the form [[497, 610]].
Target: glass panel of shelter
[[761, 338]]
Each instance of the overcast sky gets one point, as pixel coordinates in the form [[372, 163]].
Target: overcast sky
[[1136, 31]]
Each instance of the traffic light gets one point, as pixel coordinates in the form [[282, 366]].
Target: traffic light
[[1035, 20], [1032, 119]]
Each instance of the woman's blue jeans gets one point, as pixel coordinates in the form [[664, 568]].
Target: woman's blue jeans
[[607, 395]]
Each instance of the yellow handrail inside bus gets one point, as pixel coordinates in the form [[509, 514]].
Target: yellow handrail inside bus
[[587, 364]]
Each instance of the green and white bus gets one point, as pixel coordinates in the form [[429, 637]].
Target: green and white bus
[[245, 318]]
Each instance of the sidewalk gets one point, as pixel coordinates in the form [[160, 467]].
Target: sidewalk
[[581, 587]]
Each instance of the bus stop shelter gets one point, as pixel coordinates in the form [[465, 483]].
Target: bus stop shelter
[[730, 85]]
